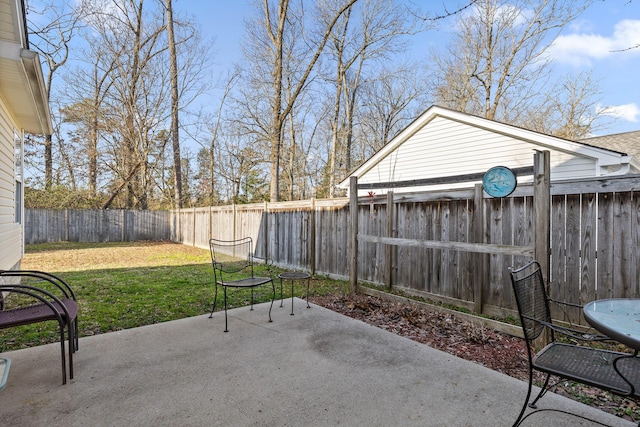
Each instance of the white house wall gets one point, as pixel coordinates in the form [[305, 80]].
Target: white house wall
[[11, 236], [444, 147]]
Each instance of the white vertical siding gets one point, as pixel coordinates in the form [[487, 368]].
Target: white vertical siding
[[444, 147], [11, 235]]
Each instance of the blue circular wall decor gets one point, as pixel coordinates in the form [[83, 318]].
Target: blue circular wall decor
[[499, 181]]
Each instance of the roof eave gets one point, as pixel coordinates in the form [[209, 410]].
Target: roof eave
[[41, 118]]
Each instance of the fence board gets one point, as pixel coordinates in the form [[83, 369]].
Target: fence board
[[589, 224], [622, 249], [635, 243], [447, 258], [558, 253], [492, 294], [570, 287], [604, 277]]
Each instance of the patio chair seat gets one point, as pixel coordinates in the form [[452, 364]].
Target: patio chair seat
[[37, 313], [247, 282], [591, 366]]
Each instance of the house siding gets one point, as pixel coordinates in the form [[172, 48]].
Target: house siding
[[11, 235], [445, 147]]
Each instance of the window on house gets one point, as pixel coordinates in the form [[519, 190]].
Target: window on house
[[18, 155]]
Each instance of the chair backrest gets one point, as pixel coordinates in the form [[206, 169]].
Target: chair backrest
[[232, 256], [531, 298]]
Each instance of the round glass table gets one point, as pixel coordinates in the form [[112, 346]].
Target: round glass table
[[618, 318], [293, 276]]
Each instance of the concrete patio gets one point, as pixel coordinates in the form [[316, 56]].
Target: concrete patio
[[316, 368]]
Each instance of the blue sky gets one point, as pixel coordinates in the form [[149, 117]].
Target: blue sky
[[593, 42]]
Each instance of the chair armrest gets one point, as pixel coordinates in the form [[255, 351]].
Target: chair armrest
[[565, 303], [579, 335], [43, 276], [572, 333]]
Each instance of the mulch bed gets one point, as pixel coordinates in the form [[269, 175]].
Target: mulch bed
[[448, 333]]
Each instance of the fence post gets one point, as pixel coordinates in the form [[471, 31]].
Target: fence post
[[312, 237], [265, 231], [390, 249], [542, 210], [478, 236], [353, 242], [193, 234], [210, 234], [234, 219], [66, 224], [123, 231]]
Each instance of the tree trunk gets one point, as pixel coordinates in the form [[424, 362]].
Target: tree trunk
[[93, 153], [277, 114], [175, 137], [48, 162]]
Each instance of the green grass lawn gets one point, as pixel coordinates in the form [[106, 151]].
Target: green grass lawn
[[125, 285]]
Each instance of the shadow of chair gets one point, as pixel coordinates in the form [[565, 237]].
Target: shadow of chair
[[233, 267], [40, 297], [613, 371]]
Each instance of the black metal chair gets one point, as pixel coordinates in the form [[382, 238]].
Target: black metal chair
[[616, 372], [233, 267], [45, 297]]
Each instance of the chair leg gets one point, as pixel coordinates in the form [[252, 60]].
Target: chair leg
[[71, 349], [281, 294], [542, 392], [64, 364], [76, 335], [215, 299], [526, 400], [226, 329], [273, 296]]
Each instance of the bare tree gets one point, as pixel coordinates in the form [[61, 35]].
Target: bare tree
[[386, 107], [208, 154], [133, 39], [377, 34], [269, 36], [52, 40], [133, 94], [571, 109], [496, 65], [87, 87]]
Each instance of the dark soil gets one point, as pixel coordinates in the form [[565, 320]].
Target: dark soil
[[446, 332]]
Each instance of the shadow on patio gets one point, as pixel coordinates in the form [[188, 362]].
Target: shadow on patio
[[316, 368]]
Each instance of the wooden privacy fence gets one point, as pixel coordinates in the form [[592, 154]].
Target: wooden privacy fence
[[594, 246], [593, 251], [74, 225]]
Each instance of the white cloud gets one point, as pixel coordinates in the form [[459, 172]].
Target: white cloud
[[627, 112], [581, 49]]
